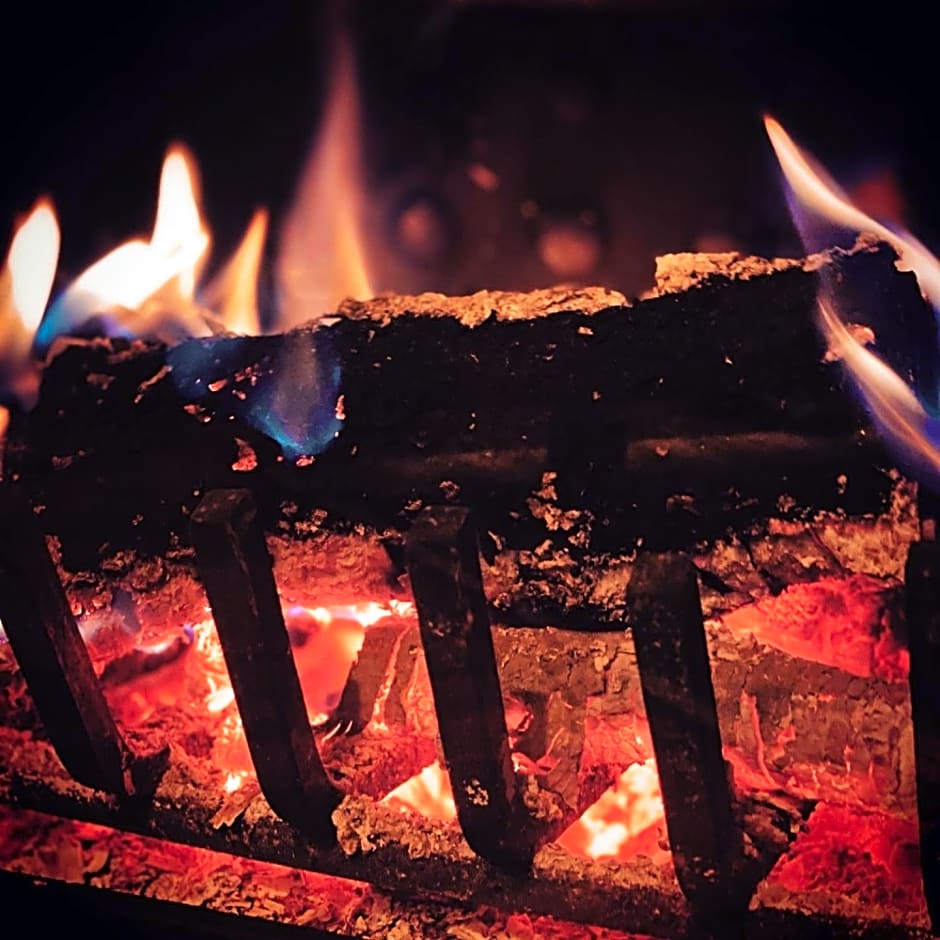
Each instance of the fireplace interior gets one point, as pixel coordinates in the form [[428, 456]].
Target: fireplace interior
[[434, 590]]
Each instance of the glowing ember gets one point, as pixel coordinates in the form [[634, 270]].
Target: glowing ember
[[232, 296], [322, 259], [843, 622], [95, 856], [428, 793], [912, 430], [144, 288], [324, 642], [628, 820], [871, 859]]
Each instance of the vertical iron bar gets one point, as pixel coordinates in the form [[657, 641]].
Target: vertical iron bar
[[922, 580], [444, 567], [665, 614], [51, 653], [236, 570]]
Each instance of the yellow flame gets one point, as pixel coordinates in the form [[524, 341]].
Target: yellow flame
[[625, 811], [233, 295], [34, 253], [813, 187], [150, 284], [894, 404], [26, 281], [321, 258]]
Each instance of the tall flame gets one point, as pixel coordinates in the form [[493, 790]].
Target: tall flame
[[232, 296], [178, 232], [894, 405], [145, 289], [30, 267], [25, 283], [321, 259]]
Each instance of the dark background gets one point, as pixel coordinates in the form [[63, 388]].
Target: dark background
[[637, 121]]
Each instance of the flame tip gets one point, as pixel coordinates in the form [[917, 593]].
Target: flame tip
[[894, 402]]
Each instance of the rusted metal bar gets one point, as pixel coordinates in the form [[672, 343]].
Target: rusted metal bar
[[922, 581], [236, 569], [665, 614], [444, 567], [50, 652]]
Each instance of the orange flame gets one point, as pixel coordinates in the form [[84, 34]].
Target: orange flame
[[147, 289], [148, 286], [321, 257], [892, 402], [26, 280], [817, 191], [232, 296], [25, 283]]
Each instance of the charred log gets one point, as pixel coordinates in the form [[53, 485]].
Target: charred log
[[654, 417]]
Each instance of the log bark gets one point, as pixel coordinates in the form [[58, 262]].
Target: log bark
[[670, 420]]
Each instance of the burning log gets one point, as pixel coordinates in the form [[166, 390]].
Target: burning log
[[571, 433], [572, 383]]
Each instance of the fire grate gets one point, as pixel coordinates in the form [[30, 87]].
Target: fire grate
[[503, 857], [560, 542]]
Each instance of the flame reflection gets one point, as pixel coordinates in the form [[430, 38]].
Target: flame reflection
[[909, 428]]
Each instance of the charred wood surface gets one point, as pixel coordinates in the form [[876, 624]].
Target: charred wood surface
[[670, 420]]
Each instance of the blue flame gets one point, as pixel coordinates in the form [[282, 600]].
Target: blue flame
[[293, 399], [902, 398], [62, 315]]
